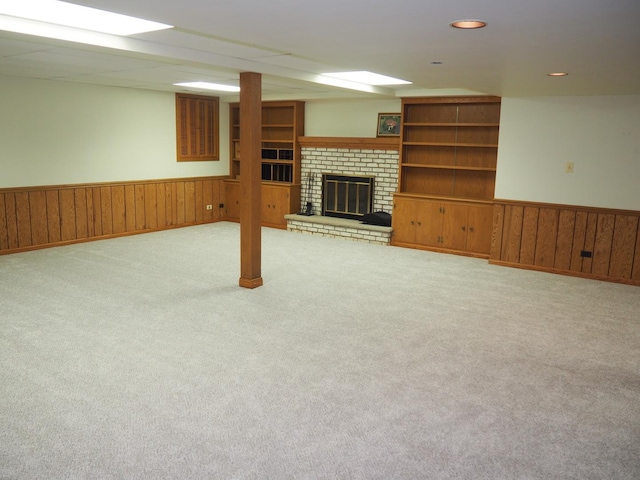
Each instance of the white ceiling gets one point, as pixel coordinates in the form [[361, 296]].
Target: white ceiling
[[292, 41]]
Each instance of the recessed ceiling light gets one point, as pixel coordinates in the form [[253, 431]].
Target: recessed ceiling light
[[209, 86], [468, 24], [368, 78], [557, 74], [78, 16]]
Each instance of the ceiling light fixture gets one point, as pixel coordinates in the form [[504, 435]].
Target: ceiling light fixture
[[557, 74], [209, 86], [367, 78], [468, 24], [78, 16]]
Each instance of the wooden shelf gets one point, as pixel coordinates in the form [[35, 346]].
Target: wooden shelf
[[449, 144], [448, 167], [447, 171], [447, 124]]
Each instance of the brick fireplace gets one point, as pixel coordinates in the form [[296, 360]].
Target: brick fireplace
[[382, 164], [375, 158]]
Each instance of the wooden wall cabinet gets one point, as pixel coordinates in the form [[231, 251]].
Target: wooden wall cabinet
[[447, 172], [282, 125], [442, 226], [277, 201]]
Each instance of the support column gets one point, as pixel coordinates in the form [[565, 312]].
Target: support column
[[250, 179]]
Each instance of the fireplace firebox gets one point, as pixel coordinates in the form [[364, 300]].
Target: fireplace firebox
[[347, 196]]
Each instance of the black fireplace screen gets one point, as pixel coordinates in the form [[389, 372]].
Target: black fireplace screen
[[347, 196]]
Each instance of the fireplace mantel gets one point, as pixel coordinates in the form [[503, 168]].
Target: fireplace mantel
[[363, 143]]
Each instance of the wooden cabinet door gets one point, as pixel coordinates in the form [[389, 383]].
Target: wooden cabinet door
[[479, 227], [275, 205], [454, 226], [403, 220], [429, 223], [232, 200]]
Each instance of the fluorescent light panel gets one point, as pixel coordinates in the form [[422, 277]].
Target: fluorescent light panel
[[368, 78], [209, 86], [78, 16]]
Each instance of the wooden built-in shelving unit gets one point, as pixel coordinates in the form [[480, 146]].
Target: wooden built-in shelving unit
[[446, 184], [282, 124]]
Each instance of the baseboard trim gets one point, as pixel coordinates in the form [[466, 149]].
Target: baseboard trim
[[569, 273]]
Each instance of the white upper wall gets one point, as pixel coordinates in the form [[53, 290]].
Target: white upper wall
[[54, 133], [600, 135], [339, 118]]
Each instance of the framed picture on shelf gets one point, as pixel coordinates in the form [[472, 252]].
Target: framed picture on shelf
[[388, 125]]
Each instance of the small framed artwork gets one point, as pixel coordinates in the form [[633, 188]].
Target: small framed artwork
[[388, 125]]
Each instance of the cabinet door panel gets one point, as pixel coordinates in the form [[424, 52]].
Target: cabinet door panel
[[454, 227], [479, 229], [403, 220], [275, 204], [429, 223], [232, 200]]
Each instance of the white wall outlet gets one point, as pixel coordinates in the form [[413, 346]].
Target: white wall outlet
[[209, 207], [568, 167]]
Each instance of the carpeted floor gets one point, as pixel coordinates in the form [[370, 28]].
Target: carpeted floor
[[141, 358]]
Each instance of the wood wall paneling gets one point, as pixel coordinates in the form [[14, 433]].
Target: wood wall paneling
[[43, 216], [23, 217], [623, 246], [91, 216], [12, 221], [529, 235], [602, 245], [190, 202], [635, 273], [161, 205], [97, 210], [497, 230], [546, 237], [4, 240], [579, 238], [107, 210], [514, 216], [82, 223], [199, 195], [564, 240], [67, 214], [130, 207], [140, 208], [150, 206], [180, 202], [39, 223], [118, 204], [591, 242], [53, 216]]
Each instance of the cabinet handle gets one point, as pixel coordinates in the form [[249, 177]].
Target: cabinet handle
[[471, 229], [412, 222], [463, 229], [419, 224]]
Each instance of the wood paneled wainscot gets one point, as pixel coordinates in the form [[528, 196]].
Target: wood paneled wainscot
[[37, 217], [596, 243]]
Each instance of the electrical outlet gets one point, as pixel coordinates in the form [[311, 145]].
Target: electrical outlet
[[568, 167], [209, 207]]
